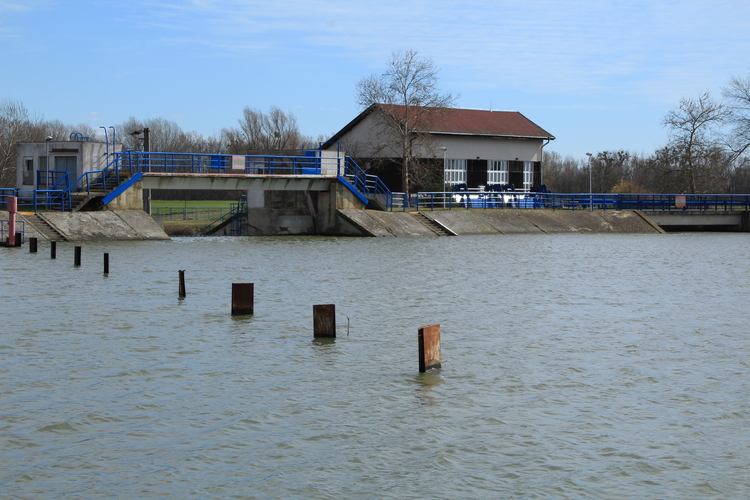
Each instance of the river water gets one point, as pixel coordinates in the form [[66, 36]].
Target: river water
[[574, 366]]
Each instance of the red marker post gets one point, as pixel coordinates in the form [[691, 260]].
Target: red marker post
[[12, 202]]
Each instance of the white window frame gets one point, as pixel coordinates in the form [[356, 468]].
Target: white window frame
[[528, 175], [27, 179], [497, 172], [455, 171]]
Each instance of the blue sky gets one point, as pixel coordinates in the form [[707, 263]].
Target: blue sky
[[597, 74]]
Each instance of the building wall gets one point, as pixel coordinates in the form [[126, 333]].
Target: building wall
[[89, 156], [370, 139]]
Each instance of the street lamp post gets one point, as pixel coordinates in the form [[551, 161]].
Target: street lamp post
[[47, 175], [444, 172], [591, 191]]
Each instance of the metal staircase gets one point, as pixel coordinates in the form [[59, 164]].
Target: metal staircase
[[234, 217]]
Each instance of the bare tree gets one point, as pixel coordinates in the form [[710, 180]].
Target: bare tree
[[608, 168], [692, 143], [564, 175], [165, 135], [738, 94], [408, 98], [276, 130], [16, 125]]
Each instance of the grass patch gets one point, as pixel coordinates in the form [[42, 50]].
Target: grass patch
[[192, 203]]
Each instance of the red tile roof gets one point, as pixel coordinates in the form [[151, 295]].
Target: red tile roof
[[457, 121]]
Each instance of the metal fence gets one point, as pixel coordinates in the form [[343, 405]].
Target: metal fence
[[452, 200], [190, 163], [190, 213], [20, 228]]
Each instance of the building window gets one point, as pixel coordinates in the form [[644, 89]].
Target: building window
[[455, 172], [528, 175], [28, 171], [497, 172]]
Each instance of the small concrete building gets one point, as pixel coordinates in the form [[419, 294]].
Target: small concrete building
[[41, 165], [473, 147]]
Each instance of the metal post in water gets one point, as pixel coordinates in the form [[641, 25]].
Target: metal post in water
[[243, 296], [33, 242], [324, 320], [106, 263], [53, 250], [77, 257], [429, 347], [182, 293]]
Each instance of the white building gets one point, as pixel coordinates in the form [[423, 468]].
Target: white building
[[473, 147], [40, 165]]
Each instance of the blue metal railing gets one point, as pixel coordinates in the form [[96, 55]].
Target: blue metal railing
[[369, 185], [58, 192], [4, 193], [575, 201], [191, 163], [99, 180], [20, 228], [52, 179]]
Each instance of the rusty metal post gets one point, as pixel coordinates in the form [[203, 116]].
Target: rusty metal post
[[429, 347], [106, 263], [77, 257], [324, 320], [243, 296], [33, 242], [182, 293]]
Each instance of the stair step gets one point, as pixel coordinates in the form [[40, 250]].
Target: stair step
[[45, 229], [433, 225]]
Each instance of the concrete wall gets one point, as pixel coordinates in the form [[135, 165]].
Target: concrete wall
[[299, 212], [131, 199], [90, 156], [497, 221], [95, 226]]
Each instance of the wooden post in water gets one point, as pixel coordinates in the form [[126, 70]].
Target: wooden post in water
[[429, 347], [53, 250], [181, 292], [243, 296], [77, 257], [324, 321], [33, 242], [106, 263]]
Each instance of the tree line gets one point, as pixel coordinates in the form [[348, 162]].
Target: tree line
[[256, 131], [706, 153]]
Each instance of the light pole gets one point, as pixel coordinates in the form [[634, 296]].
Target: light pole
[[46, 163], [444, 149], [591, 192], [444, 172]]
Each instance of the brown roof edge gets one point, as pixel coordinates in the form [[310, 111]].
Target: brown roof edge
[[467, 122]]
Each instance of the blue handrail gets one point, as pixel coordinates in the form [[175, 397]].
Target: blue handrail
[[581, 201], [367, 184], [4, 228], [196, 163]]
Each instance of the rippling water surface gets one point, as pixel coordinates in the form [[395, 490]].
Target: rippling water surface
[[574, 366]]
